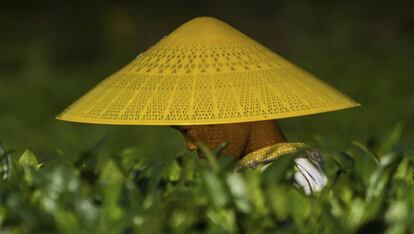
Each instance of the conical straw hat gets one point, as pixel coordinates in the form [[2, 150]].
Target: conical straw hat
[[205, 72]]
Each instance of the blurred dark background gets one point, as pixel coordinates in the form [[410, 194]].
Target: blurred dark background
[[52, 52]]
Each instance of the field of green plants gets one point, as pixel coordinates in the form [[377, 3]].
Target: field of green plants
[[60, 177], [370, 190]]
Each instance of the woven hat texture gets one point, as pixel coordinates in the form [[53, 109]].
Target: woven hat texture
[[205, 72]]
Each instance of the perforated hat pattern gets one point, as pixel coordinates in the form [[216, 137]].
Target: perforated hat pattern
[[205, 72]]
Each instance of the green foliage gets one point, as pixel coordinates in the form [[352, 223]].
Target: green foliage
[[368, 191]]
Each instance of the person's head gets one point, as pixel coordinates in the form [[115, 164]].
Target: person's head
[[242, 138]]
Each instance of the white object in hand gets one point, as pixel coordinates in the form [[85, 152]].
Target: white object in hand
[[309, 176]]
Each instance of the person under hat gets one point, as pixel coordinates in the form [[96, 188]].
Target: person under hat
[[255, 145], [216, 84]]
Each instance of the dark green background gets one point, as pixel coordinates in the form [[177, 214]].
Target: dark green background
[[52, 52]]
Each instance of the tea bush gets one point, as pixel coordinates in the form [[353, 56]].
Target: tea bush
[[370, 190]]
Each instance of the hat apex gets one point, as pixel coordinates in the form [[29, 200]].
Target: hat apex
[[204, 29]]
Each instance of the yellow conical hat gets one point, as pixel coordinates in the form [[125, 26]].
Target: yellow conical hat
[[205, 72]]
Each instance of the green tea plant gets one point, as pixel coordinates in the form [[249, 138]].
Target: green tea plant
[[370, 190]]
